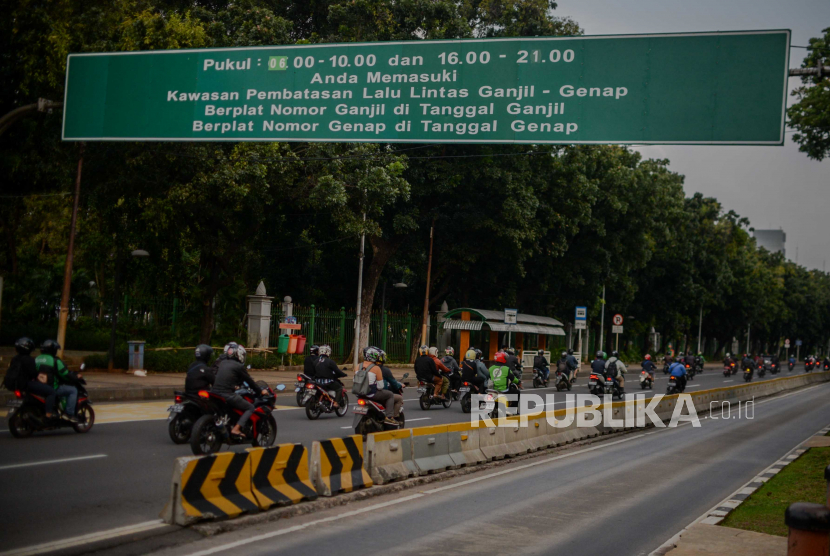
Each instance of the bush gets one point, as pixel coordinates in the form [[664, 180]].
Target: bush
[[177, 360]]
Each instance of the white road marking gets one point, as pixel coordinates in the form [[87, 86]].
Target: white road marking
[[48, 462], [694, 386], [729, 381], [85, 539]]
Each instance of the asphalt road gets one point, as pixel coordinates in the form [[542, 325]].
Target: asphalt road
[[125, 478], [624, 496]]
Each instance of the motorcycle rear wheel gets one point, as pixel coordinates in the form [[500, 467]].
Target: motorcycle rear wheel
[[19, 427], [313, 409], [179, 429], [300, 398], [447, 402], [86, 418], [467, 403], [205, 438], [343, 402], [537, 383], [423, 401], [266, 434]]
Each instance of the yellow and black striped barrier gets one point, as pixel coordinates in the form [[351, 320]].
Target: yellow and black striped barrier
[[210, 487], [279, 475], [337, 465]]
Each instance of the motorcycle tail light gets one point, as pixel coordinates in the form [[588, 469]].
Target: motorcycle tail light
[[178, 399], [18, 393], [299, 378], [309, 386], [361, 401], [466, 384], [593, 377], [204, 394]]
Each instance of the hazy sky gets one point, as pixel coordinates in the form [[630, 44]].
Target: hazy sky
[[775, 187]]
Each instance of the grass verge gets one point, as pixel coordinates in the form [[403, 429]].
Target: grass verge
[[801, 481]]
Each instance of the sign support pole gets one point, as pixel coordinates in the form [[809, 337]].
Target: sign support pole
[[70, 253], [424, 339], [602, 322], [359, 294]]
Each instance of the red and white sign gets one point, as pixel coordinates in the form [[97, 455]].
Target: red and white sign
[[787, 343], [617, 319]]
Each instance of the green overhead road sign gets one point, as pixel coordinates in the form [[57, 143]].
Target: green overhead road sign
[[692, 88]]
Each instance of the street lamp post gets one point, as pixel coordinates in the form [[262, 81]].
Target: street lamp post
[[114, 309]]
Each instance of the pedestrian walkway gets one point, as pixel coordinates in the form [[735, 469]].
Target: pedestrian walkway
[[714, 539]]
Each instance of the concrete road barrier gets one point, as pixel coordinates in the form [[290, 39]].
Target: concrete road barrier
[[491, 442], [210, 487], [515, 436], [431, 449], [464, 445], [337, 465], [279, 475], [389, 456], [538, 436]]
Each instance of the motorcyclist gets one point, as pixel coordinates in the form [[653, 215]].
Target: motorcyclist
[[562, 364], [59, 376], [455, 371], [427, 371], [598, 364], [541, 364], [36, 382], [372, 364], [513, 362], [727, 360], [443, 369], [700, 361], [616, 369], [689, 359], [826, 363], [481, 368], [327, 373], [678, 370], [502, 374], [747, 363], [469, 371], [573, 366], [649, 366], [200, 376], [391, 383], [310, 360], [232, 373], [791, 362]]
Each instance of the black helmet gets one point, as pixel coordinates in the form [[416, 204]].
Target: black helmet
[[615, 353], [24, 345], [50, 347], [570, 352], [479, 353], [203, 352], [599, 355], [314, 350]]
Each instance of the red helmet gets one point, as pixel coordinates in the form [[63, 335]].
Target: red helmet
[[648, 357], [501, 357]]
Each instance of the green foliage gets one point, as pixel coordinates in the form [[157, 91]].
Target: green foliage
[[811, 114]]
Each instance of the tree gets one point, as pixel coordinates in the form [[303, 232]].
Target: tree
[[810, 116]]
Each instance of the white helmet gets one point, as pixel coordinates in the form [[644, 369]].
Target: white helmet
[[325, 350], [238, 353], [433, 351]]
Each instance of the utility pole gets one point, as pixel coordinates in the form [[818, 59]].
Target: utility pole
[[699, 328], [70, 252], [602, 321], [359, 293], [424, 339], [749, 326]]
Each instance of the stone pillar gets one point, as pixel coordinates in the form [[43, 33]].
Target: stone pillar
[[443, 339], [259, 318]]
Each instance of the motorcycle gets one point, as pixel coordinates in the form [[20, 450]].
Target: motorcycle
[[466, 393], [768, 367], [299, 388], [596, 384], [426, 398], [562, 382], [673, 387], [762, 370], [370, 416], [790, 366], [646, 381], [774, 368], [318, 400], [690, 371], [808, 365], [183, 413], [727, 369], [212, 430], [27, 413], [539, 380], [611, 387], [748, 374]]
